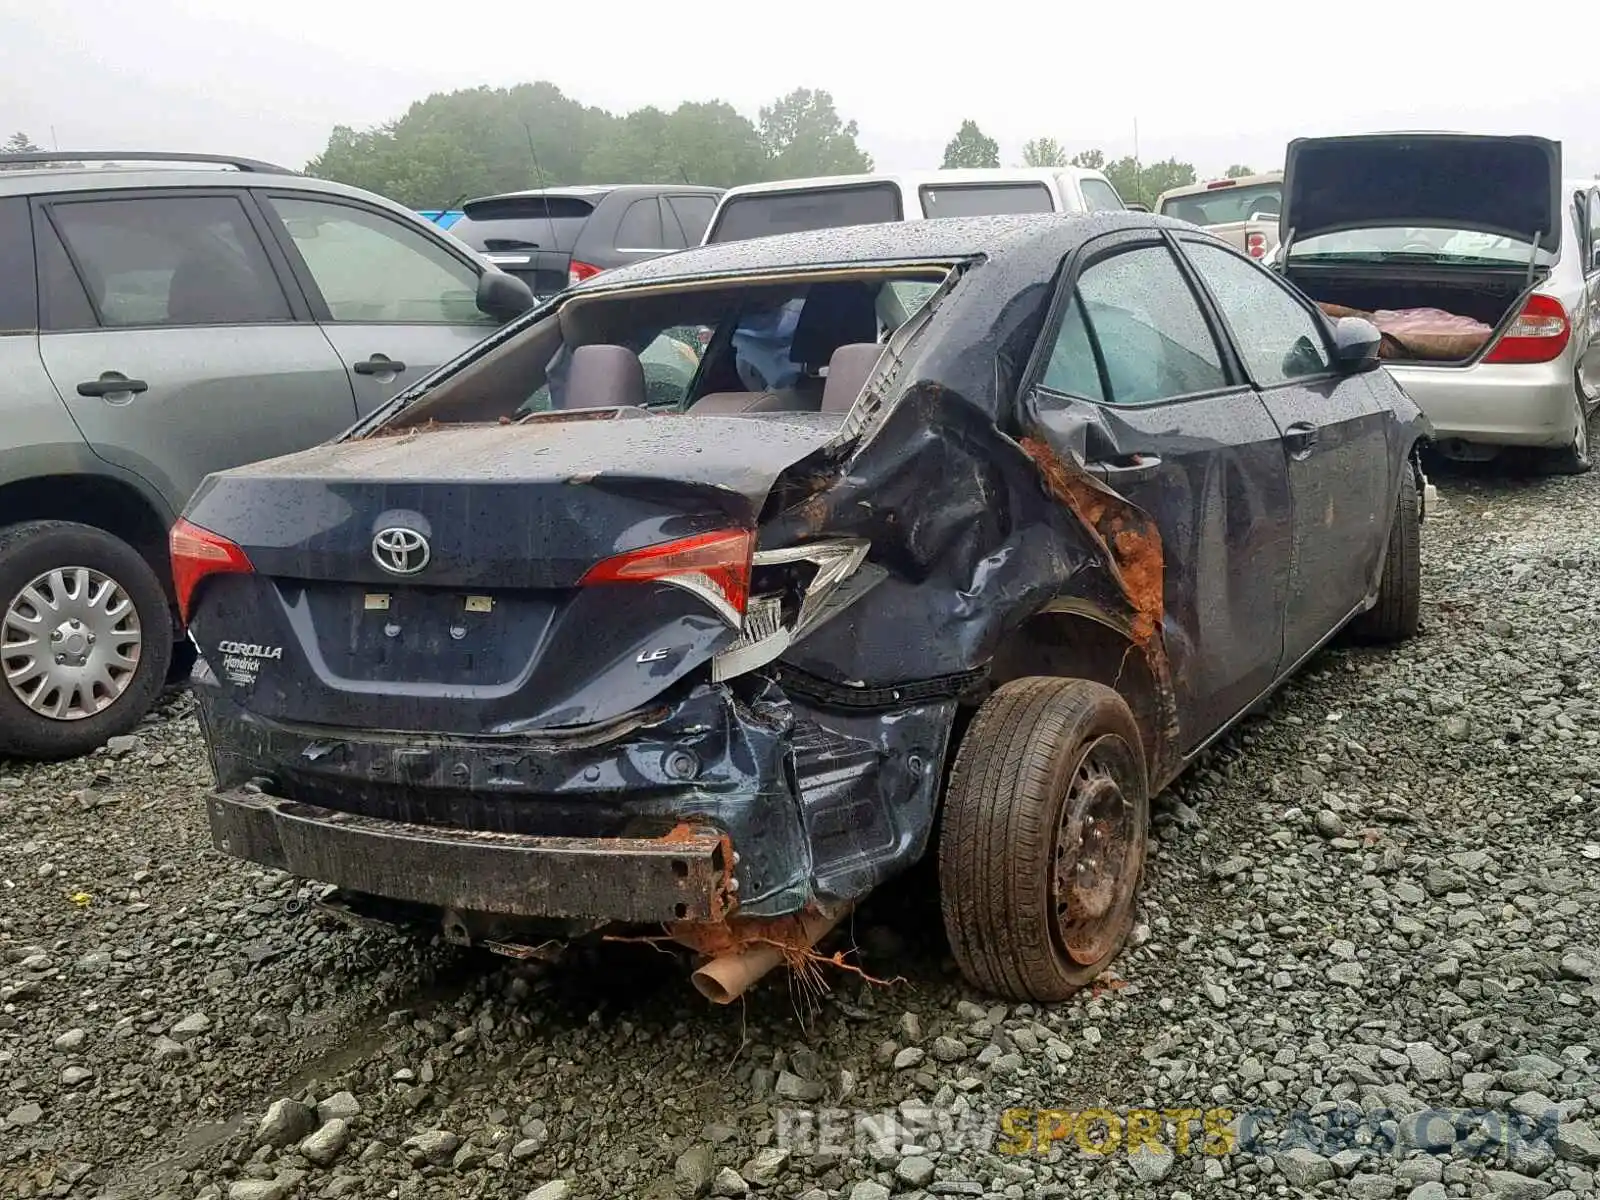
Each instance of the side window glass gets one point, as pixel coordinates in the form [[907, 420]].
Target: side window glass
[[1150, 330], [172, 260], [1072, 368], [640, 228], [694, 214], [1100, 195], [64, 303], [371, 268], [1277, 338]]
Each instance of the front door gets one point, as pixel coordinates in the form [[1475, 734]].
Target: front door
[[394, 302], [168, 332], [1335, 431], [1136, 382]]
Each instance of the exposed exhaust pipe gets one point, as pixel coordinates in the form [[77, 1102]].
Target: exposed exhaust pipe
[[727, 976]]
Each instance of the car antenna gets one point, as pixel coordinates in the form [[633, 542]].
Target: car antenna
[[538, 177], [451, 208]]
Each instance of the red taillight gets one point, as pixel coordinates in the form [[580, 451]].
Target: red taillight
[[197, 553], [1539, 334], [714, 566], [1255, 244], [1221, 183], [577, 272]]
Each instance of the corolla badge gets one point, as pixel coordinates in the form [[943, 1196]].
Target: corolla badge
[[400, 551]]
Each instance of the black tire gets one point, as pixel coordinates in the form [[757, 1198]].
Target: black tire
[[1398, 613], [1573, 459], [1034, 745], [34, 548]]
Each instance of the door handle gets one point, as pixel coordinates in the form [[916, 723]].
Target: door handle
[[378, 364], [1131, 468], [112, 383], [1299, 439]]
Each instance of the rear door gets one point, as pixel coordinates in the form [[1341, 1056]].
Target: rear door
[[1133, 378], [693, 213], [1335, 431], [394, 301], [171, 329]]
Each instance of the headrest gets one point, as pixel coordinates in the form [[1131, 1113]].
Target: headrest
[[848, 371], [604, 376], [834, 315]]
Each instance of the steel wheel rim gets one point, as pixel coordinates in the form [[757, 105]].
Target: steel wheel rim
[[70, 643], [1095, 859]]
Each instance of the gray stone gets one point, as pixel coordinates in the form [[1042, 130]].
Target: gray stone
[[1432, 1190], [556, 1189], [258, 1189], [693, 1172], [763, 1169], [1329, 825], [1348, 974], [949, 1049], [73, 1076], [328, 1142], [342, 1105], [25, 1114], [915, 1171], [71, 1040], [1152, 1162], [430, 1146], [166, 1050], [1217, 995], [190, 1027], [1576, 1141], [910, 1057], [286, 1121], [1429, 1062], [1372, 1187], [729, 1182], [868, 1190], [1508, 1185], [1303, 1168], [792, 1087]]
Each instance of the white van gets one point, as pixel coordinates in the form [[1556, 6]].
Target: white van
[[827, 202]]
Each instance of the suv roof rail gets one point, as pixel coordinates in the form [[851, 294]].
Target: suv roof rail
[[48, 157]]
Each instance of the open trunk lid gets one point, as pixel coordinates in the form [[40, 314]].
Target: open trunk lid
[[531, 592], [1509, 186]]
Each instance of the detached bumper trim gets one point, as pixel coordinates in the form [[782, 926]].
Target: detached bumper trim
[[673, 878]]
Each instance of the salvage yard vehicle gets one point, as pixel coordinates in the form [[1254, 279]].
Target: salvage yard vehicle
[[1479, 265], [553, 237], [1242, 211], [526, 658], [831, 201], [161, 318]]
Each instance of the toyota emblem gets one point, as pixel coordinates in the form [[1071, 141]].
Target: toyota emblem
[[400, 551]]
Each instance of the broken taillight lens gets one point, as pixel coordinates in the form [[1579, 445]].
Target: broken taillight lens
[[577, 272], [713, 566], [1538, 335], [196, 554]]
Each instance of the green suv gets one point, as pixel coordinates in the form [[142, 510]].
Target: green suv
[[160, 321]]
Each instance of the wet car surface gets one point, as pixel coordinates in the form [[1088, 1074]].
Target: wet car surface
[[1007, 521]]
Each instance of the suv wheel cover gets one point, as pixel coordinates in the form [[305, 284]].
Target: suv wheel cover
[[70, 643]]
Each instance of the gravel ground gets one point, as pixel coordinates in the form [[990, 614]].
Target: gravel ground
[[1376, 900]]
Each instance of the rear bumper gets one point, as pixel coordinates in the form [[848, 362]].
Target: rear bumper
[[682, 876], [1500, 404]]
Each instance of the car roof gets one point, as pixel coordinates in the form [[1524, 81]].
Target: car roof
[[945, 239], [596, 191], [910, 179], [1195, 189], [30, 182]]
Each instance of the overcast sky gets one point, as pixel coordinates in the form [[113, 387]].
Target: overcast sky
[[1211, 84]]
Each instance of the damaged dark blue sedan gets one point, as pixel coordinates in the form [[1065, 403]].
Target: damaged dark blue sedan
[[721, 589]]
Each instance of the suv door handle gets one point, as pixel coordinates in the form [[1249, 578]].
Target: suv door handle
[[1133, 468], [378, 364], [112, 383], [1299, 438]]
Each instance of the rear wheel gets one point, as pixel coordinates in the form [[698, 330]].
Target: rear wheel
[[1042, 839], [1398, 613], [1572, 459], [85, 638]]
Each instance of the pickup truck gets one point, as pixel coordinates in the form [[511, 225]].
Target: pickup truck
[[1243, 212]]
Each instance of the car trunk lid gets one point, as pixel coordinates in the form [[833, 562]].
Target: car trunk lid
[[530, 236], [1509, 186], [488, 579]]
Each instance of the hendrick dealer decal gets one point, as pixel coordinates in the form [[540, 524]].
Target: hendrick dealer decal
[[241, 661]]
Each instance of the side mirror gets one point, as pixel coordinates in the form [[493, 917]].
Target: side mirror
[[503, 296], [1355, 344]]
